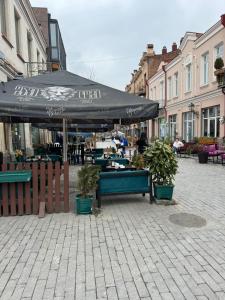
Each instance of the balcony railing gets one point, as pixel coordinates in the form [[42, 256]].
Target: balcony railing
[[38, 68]]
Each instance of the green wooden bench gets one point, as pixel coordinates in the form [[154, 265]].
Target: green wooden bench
[[15, 176], [19, 176], [124, 182]]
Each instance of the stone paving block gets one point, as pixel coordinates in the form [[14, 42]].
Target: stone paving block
[[29, 287]]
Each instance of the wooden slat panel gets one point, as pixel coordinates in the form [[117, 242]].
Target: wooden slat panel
[[35, 187], [57, 187], [27, 193], [66, 187], [50, 188], [5, 205], [43, 183], [20, 193], [12, 199]]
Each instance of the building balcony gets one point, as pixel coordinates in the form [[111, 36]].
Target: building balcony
[[38, 68]]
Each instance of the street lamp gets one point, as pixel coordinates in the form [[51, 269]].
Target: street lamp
[[191, 107]]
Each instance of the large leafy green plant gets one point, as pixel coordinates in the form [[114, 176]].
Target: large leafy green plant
[[88, 177], [162, 163]]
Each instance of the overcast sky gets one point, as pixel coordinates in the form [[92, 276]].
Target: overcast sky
[[104, 39]]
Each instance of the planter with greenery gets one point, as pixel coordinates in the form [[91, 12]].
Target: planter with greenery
[[88, 176], [162, 164]]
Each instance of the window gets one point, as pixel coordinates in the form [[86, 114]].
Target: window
[[29, 47], [54, 41], [38, 56], [188, 78], [211, 121], [188, 126], [151, 94], [170, 92], [161, 93], [162, 128], [3, 17], [219, 49], [154, 93], [17, 31], [175, 81], [173, 126], [205, 68]]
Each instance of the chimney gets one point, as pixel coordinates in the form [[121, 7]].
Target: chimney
[[223, 20], [174, 47], [150, 49], [164, 50]]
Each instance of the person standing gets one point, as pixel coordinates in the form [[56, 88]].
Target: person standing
[[142, 143]]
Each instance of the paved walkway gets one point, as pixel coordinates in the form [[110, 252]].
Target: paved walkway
[[130, 251]]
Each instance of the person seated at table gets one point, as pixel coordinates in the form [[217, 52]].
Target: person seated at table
[[177, 145]]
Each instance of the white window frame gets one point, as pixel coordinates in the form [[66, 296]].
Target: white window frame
[[170, 89], [161, 92], [216, 55], [188, 77], [189, 121], [3, 17], [175, 83], [17, 31], [215, 119], [154, 92], [205, 68]]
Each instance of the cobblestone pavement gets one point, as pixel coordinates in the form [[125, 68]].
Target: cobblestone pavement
[[129, 251]]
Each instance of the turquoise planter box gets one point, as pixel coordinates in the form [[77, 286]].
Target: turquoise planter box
[[163, 191], [84, 205]]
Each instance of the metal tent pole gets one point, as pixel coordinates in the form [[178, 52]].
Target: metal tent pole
[[64, 141]]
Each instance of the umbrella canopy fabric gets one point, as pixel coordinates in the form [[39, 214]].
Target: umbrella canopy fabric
[[57, 95], [75, 127]]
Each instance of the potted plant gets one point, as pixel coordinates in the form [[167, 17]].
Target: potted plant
[[163, 166], [202, 155], [88, 176], [219, 73], [138, 161]]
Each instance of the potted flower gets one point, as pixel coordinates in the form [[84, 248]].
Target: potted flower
[[88, 176], [162, 164], [19, 155]]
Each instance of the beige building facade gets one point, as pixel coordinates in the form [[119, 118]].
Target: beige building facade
[[21, 43], [187, 90], [148, 66]]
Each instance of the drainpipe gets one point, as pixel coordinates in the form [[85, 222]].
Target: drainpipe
[[165, 104], [222, 19]]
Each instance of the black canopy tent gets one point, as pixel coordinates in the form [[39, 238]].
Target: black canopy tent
[[75, 127], [65, 96]]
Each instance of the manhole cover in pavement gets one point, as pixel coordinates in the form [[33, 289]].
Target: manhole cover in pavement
[[187, 220]]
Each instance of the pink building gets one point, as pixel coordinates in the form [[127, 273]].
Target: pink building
[[191, 104]]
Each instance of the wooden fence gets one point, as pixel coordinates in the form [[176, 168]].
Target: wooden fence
[[49, 185]]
